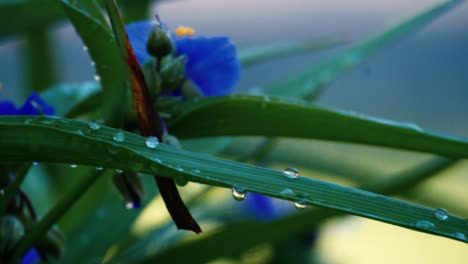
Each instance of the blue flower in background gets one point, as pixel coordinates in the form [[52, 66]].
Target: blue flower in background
[[212, 63], [265, 208], [34, 105], [31, 257]]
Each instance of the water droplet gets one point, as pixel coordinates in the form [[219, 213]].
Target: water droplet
[[119, 136], [118, 170], [425, 224], [2, 192], [441, 214], [287, 191], [195, 171], [35, 163], [239, 193], [97, 77], [93, 64], [291, 173], [73, 166], [99, 168], [28, 121], [157, 160], [95, 125], [85, 48], [180, 179], [299, 205], [459, 235], [129, 205], [152, 142]]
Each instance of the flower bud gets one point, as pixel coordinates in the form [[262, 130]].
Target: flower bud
[[152, 78], [172, 72], [159, 43], [130, 187], [52, 244], [11, 231]]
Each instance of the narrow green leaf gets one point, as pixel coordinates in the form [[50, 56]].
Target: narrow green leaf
[[104, 51], [283, 229], [278, 117], [50, 139], [43, 226], [22, 16], [257, 55], [75, 95], [309, 83]]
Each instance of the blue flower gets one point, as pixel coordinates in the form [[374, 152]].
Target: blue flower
[[34, 105], [265, 208], [212, 62], [31, 257]]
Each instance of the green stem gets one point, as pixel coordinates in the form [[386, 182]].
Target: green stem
[[52, 217], [40, 60], [13, 188]]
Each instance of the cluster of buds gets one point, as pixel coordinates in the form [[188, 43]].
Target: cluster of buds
[[167, 71], [18, 220]]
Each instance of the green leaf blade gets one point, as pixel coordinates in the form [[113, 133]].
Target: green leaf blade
[[50, 139]]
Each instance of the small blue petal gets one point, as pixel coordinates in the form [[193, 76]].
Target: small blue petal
[[33, 106], [7, 108], [212, 63], [138, 34], [260, 207], [31, 257], [34, 101]]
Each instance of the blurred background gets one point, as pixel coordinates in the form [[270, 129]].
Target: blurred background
[[420, 79]]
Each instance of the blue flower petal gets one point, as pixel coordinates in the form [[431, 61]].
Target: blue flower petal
[[7, 108], [34, 105], [31, 257], [212, 63], [260, 207], [138, 34]]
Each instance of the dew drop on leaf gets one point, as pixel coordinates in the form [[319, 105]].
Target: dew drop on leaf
[[299, 205], [118, 170], [97, 77], [239, 193], [35, 163], [129, 205], [73, 166], [459, 235], [119, 136], [291, 173], [287, 191], [425, 224], [95, 125], [441, 214], [99, 168], [152, 142]]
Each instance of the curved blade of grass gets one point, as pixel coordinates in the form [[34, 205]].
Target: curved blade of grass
[[284, 229], [309, 83], [89, 23], [50, 139], [19, 16], [43, 226], [256, 55], [72, 94], [279, 117]]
